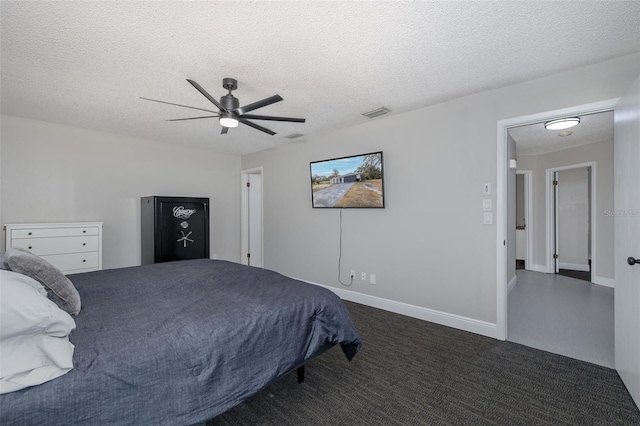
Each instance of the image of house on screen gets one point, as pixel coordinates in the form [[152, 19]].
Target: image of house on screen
[[348, 182], [350, 177]]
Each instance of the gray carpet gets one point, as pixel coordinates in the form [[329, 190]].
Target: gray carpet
[[412, 372]]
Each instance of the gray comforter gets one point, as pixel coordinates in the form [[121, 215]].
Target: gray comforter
[[181, 342]]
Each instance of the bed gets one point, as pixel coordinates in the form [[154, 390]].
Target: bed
[[182, 342]]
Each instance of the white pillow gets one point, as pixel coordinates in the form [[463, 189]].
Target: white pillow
[[11, 275], [34, 334]]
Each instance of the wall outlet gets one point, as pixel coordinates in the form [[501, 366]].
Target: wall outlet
[[372, 278], [353, 273], [363, 276]]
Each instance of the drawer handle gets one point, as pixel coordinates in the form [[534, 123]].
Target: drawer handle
[[84, 260], [84, 231], [30, 233], [30, 247], [84, 244]]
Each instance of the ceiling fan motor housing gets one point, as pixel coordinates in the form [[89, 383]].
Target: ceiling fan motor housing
[[229, 102]]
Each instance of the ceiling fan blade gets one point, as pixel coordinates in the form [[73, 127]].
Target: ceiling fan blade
[[206, 95], [272, 118], [184, 106], [224, 130], [256, 126], [194, 118], [263, 103]]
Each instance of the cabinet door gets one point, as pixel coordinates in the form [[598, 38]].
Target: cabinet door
[[184, 231]]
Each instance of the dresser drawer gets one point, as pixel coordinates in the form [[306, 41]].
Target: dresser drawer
[[58, 245], [53, 232], [68, 263]]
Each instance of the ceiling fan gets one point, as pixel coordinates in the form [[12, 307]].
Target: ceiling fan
[[230, 113]]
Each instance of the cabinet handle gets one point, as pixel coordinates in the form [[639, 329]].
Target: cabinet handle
[[84, 244], [84, 260], [84, 231], [30, 247], [30, 233]]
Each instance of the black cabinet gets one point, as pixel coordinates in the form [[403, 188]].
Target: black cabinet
[[174, 228]]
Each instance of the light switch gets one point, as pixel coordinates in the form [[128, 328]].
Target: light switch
[[486, 188], [487, 218], [486, 205]]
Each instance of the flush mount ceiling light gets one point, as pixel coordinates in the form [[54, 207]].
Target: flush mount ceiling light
[[561, 124]]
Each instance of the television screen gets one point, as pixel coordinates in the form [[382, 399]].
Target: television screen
[[348, 182]]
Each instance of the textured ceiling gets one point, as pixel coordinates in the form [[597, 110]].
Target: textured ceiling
[[86, 64], [534, 139]]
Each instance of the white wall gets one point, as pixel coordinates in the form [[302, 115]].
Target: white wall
[[56, 173], [1, 221], [602, 154], [520, 201], [428, 247]]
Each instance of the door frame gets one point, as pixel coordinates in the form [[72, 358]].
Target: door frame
[[244, 212], [502, 196], [528, 214], [552, 218]]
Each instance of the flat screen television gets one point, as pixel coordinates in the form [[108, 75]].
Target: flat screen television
[[348, 182]]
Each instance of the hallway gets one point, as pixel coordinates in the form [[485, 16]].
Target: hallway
[[563, 315]]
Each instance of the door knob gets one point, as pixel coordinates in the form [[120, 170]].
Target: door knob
[[632, 261]]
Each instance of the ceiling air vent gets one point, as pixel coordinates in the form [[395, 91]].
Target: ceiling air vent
[[294, 135], [376, 112]]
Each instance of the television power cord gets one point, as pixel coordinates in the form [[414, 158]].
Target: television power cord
[[340, 257]]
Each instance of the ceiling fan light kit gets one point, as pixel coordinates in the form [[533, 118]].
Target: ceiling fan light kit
[[228, 120], [561, 124], [230, 114]]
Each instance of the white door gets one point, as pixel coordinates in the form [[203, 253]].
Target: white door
[[255, 219], [556, 219], [573, 219], [627, 239]]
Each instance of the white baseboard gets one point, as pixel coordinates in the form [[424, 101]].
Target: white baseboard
[[607, 282], [512, 283], [573, 266], [538, 268], [443, 318]]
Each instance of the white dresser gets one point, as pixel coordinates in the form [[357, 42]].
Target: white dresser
[[71, 247]]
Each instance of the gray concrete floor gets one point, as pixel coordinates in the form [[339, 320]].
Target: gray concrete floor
[[562, 315]]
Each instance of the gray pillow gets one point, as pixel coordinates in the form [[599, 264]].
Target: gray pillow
[[3, 262], [64, 295]]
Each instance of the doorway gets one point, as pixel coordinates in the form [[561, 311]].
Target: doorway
[[571, 200], [548, 311], [251, 232], [505, 191]]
